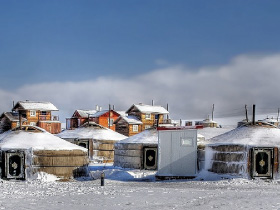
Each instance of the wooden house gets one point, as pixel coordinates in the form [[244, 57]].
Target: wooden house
[[79, 118], [106, 118], [37, 114], [128, 125], [9, 120], [28, 150], [150, 116]]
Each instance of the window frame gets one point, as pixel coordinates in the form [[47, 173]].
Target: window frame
[[134, 128], [32, 113], [148, 114]]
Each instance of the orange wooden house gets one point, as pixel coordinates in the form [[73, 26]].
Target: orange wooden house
[[106, 118], [32, 113]]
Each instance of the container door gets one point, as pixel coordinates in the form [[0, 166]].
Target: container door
[[262, 162], [150, 158], [14, 164]]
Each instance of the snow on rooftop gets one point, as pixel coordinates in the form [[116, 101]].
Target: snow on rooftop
[[91, 133], [33, 105], [132, 120], [99, 113], [251, 135], [209, 133], [149, 136], [85, 113], [151, 109], [20, 139]]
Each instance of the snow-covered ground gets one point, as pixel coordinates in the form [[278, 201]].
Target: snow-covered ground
[[135, 189]]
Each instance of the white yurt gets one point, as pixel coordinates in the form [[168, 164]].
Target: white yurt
[[29, 150], [250, 151], [138, 151], [97, 139]]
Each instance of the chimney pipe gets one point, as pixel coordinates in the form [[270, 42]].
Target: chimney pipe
[[254, 114]]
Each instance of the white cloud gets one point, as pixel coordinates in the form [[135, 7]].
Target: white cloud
[[245, 80]]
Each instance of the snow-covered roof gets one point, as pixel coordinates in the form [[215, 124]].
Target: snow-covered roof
[[149, 136], [208, 121], [99, 113], [150, 109], [132, 120], [91, 133], [21, 139], [209, 133], [249, 135], [85, 113], [35, 105], [121, 113]]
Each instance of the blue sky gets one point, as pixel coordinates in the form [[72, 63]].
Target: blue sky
[[65, 41]]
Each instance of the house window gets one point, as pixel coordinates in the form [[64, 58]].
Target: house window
[[147, 127], [33, 123], [111, 122], [43, 113], [32, 113], [135, 128], [148, 116]]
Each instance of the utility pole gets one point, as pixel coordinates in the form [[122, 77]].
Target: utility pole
[[254, 113], [109, 123]]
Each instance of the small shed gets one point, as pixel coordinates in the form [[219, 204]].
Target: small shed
[[138, 151], [25, 152], [97, 139], [250, 151], [177, 153]]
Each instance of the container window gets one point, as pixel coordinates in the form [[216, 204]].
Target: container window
[[187, 142]]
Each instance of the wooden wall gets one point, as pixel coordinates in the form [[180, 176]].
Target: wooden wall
[[51, 127]]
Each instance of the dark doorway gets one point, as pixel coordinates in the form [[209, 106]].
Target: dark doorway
[[150, 158], [14, 165], [262, 162]]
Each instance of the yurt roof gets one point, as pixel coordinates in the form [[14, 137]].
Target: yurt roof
[[249, 135], [92, 132], [149, 136], [269, 120], [37, 140]]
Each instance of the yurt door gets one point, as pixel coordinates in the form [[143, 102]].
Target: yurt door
[[14, 164], [150, 158], [1, 164], [262, 162]]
